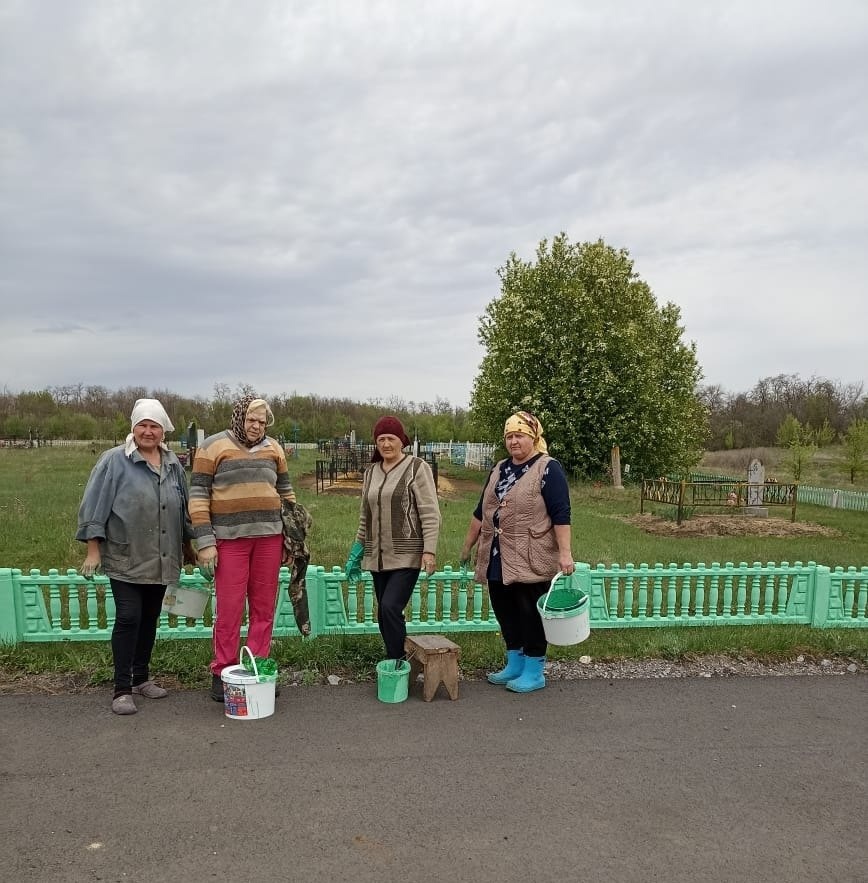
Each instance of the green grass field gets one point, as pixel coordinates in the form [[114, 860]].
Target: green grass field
[[40, 490]]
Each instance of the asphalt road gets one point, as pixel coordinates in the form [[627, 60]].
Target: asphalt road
[[739, 779]]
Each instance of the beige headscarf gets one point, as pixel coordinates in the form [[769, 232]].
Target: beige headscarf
[[525, 423]]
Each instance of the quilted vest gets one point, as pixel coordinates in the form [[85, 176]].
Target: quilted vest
[[528, 546]]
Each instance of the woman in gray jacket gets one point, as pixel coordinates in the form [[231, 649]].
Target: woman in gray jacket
[[133, 518]]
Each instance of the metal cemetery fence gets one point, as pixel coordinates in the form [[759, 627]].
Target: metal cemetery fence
[[716, 493]]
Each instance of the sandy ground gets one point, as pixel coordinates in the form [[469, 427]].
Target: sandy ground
[[728, 526]]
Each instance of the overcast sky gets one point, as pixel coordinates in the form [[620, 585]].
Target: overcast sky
[[315, 197]]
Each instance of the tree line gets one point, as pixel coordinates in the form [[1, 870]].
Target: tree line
[[781, 408], [81, 411]]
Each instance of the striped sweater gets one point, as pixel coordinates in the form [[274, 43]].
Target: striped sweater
[[236, 491]]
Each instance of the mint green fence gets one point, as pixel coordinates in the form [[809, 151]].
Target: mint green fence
[[55, 606], [743, 594]]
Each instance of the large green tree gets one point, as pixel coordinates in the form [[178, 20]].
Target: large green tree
[[578, 338]]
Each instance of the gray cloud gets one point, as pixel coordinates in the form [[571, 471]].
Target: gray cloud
[[316, 197]]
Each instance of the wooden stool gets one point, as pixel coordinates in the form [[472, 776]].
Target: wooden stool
[[437, 658]]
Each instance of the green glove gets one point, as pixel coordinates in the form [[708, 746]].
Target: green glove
[[353, 567]]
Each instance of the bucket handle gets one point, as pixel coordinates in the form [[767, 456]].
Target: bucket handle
[[252, 660], [555, 578]]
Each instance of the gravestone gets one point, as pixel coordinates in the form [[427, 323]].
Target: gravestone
[[756, 477]]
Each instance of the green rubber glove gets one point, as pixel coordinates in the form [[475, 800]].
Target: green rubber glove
[[353, 567]]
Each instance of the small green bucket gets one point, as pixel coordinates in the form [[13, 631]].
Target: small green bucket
[[393, 683]]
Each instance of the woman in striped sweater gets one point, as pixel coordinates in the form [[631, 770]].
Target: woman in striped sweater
[[239, 480]]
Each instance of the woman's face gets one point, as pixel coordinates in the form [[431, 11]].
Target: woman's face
[[147, 435], [254, 424], [519, 446], [390, 447]]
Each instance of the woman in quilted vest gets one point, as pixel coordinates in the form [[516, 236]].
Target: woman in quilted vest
[[522, 525], [399, 525]]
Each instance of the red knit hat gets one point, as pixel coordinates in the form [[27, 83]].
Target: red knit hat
[[391, 426]]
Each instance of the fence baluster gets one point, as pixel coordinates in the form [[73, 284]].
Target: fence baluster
[[727, 589], [642, 603], [714, 590], [431, 605], [861, 607], [671, 590], [686, 581], [700, 595], [755, 590], [657, 592]]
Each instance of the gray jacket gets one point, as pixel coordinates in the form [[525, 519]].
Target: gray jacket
[[139, 517]]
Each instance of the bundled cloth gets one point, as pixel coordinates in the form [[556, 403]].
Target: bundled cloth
[[265, 667], [296, 524]]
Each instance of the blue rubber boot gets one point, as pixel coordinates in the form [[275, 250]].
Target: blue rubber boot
[[514, 667], [532, 678]]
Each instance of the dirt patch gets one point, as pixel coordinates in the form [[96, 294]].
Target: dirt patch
[[728, 526], [351, 486]]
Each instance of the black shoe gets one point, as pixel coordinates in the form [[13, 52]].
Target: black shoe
[[216, 688]]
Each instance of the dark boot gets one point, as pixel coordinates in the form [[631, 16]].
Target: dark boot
[[216, 688]]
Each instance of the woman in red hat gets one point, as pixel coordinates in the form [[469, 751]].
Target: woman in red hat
[[399, 525]]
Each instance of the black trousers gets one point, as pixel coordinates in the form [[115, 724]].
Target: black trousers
[[137, 610], [393, 589], [520, 623]]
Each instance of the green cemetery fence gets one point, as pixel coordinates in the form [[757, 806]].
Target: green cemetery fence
[[55, 606]]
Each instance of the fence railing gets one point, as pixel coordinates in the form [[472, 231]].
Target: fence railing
[[55, 606], [833, 498], [471, 455], [716, 493]]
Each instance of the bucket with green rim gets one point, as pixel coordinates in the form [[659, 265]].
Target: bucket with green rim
[[565, 613], [248, 695], [393, 680]]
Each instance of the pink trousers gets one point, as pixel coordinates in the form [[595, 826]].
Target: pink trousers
[[247, 569]]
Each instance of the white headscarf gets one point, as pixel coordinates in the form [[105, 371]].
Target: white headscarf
[[150, 409], [147, 409]]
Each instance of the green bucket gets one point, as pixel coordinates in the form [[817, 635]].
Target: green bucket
[[561, 600], [393, 683]]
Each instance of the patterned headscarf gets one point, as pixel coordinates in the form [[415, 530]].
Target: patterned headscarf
[[239, 412], [525, 423]]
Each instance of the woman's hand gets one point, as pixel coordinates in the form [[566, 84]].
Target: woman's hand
[[464, 564], [428, 563], [207, 559], [566, 563], [91, 564]]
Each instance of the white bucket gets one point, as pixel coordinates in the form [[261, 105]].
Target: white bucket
[[186, 602], [567, 623], [245, 697]]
